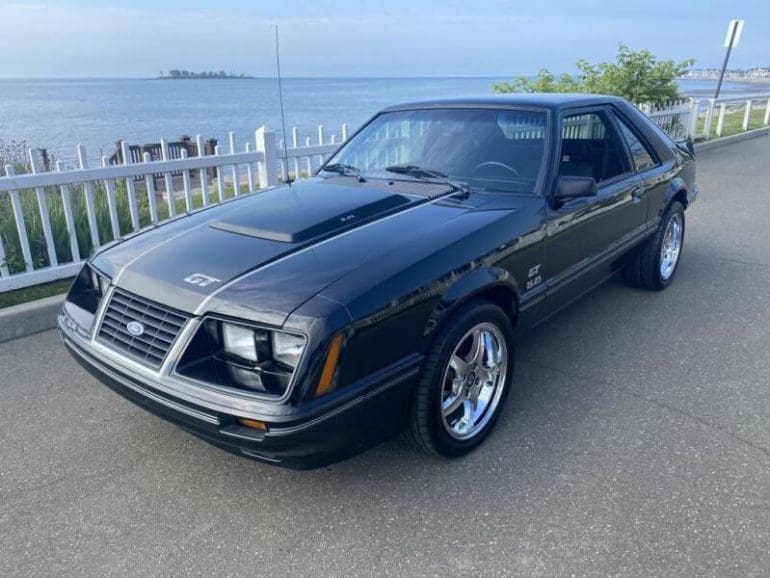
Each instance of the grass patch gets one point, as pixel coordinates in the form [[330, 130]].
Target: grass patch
[[733, 120], [27, 294]]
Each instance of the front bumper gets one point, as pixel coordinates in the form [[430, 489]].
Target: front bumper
[[302, 440]]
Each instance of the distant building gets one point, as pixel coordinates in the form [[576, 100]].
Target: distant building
[[713, 73]]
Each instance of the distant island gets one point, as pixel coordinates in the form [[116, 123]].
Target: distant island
[[756, 73], [184, 74]]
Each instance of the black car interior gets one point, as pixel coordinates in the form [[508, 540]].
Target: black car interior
[[595, 152], [492, 152]]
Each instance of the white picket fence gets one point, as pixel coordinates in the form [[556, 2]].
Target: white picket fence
[[702, 114], [262, 163], [99, 191], [673, 117]]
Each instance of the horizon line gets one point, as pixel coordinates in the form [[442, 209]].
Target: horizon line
[[323, 77], [250, 77], [314, 77]]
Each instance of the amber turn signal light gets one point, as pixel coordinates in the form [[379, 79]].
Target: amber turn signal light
[[326, 383], [253, 424]]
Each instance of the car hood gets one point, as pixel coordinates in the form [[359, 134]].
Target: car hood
[[263, 255]]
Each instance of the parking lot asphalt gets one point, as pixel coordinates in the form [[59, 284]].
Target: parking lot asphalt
[[636, 442]]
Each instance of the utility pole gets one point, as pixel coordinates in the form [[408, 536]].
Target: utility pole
[[734, 30]]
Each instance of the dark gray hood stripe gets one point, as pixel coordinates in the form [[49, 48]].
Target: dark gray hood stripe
[[204, 304]]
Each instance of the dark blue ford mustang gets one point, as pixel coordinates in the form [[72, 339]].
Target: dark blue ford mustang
[[305, 322]]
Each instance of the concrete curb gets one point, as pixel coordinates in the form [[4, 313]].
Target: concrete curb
[[36, 316], [727, 140], [29, 318]]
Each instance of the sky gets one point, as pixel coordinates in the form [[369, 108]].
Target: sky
[[106, 38]]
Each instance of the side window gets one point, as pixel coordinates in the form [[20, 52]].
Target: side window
[[590, 147], [643, 158]]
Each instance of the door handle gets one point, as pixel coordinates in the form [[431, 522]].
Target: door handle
[[638, 192]]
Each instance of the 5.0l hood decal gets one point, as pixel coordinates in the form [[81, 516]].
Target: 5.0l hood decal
[[302, 212]]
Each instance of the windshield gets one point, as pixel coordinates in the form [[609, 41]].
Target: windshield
[[489, 149]]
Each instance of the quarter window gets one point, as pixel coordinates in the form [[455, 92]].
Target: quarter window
[[590, 148], [643, 159]]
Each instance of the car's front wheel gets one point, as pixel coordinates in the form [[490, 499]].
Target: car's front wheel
[[464, 381], [654, 264]]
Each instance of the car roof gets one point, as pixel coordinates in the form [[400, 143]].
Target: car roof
[[550, 100]]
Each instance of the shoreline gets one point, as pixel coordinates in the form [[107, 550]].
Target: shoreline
[[765, 81], [204, 78]]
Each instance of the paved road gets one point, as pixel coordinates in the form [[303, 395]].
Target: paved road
[[636, 443]]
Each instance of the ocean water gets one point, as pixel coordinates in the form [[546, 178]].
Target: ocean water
[[58, 114]]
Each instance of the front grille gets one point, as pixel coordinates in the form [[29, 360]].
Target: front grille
[[161, 327]]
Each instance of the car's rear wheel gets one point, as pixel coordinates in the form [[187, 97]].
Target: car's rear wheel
[[654, 264], [464, 381]]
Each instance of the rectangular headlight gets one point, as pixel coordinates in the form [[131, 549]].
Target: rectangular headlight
[[86, 293], [239, 341], [287, 349], [242, 356], [99, 282]]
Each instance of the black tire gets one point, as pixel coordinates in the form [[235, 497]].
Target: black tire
[[644, 269], [426, 425]]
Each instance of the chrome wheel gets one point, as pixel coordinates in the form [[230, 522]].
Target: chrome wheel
[[671, 246], [474, 381]]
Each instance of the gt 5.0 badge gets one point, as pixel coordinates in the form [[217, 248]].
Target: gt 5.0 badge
[[533, 277]]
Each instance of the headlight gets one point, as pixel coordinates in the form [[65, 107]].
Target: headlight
[[287, 349], [99, 282], [85, 294], [241, 341], [242, 356]]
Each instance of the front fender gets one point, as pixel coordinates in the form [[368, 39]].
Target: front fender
[[495, 282]]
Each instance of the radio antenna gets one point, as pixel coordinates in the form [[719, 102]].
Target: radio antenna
[[280, 98]]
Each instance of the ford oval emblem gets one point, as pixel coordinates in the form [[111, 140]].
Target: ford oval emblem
[[135, 328]]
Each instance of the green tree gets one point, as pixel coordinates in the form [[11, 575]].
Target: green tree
[[635, 74]]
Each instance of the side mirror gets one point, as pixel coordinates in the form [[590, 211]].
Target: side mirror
[[568, 187]]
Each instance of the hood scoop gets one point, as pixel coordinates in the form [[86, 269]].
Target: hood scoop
[[308, 210]]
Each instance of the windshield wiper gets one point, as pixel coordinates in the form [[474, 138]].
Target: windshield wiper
[[423, 173], [346, 170]]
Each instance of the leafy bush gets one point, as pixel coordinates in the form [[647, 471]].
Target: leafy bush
[[635, 75]]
